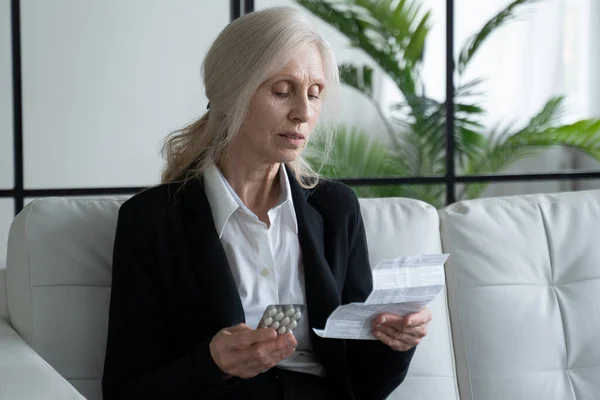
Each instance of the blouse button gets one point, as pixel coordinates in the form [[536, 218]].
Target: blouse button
[[264, 272]]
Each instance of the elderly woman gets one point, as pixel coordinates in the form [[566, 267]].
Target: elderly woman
[[241, 222]]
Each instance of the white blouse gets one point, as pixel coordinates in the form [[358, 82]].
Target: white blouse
[[265, 261]]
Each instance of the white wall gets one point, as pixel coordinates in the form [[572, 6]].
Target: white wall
[[593, 46], [103, 82], [6, 126], [547, 52], [6, 101], [593, 92]]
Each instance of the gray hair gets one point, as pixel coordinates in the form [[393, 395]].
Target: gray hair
[[246, 53]]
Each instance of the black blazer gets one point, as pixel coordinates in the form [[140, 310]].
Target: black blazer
[[172, 291]]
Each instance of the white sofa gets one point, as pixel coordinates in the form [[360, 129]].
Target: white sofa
[[521, 319]]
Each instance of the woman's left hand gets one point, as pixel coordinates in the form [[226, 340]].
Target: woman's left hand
[[401, 333]]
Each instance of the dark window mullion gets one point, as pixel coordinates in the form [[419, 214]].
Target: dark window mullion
[[15, 8], [450, 167], [235, 9], [248, 6], [19, 193]]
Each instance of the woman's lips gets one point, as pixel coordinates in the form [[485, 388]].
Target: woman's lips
[[293, 138], [293, 135]]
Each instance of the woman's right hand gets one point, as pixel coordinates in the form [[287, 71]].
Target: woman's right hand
[[244, 352]]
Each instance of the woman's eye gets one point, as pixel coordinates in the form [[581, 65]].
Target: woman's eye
[[286, 94]]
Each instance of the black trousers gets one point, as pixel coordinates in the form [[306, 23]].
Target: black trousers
[[279, 384]]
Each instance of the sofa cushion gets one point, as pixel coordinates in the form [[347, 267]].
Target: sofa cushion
[[402, 227], [523, 281], [58, 282], [25, 375], [3, 300], [59, 274]]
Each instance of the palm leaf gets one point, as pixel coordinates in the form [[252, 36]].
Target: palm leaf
[[401, 21], [392, 35], [469, 89], [550, 114], [504, 151], [357, 155], [582, 135], [495, 155], [354, 154], [427, 135], [359, 78], [473, 44], [416, 46]]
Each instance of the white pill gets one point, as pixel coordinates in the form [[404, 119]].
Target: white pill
[[297, 316], [290, 311], [284, 321], [279, 316], [281, 330], [268, 321], [271, 311], [274, 325], [292, 325]]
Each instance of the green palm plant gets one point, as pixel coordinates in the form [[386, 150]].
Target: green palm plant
[[355, 154], [393, 33]]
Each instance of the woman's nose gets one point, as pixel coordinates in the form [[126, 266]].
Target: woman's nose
[[300, 111]]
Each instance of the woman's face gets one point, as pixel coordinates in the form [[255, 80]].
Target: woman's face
[[284, 109]]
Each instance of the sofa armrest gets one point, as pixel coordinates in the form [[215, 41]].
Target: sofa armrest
[[24, 375], [3, 300]]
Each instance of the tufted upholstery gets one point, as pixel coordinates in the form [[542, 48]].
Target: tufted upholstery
[[20, 363], [431, 375], [59, 274], [60, 253], [3, 300], [524, 285]]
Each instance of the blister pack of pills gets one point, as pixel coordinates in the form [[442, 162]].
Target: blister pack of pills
[[282, 317]]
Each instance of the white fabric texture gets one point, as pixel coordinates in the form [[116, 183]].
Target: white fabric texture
[[3, 300], [59, 267], [265, 261], [59, 264], [524, 283], [24, 375], [396, 227]]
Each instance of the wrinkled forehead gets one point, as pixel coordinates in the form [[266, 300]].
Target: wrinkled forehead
[[305, 66]]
